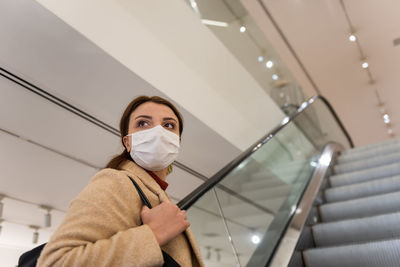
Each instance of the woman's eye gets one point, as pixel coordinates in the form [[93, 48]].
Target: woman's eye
[[169, 125], [142, 123]]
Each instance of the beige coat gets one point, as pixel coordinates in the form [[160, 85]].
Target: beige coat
[[103, 227]]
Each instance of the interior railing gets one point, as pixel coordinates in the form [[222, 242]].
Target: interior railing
[[252, 200]]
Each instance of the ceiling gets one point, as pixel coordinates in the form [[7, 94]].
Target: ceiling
[[48, 153], [318, 32], [247, 46]]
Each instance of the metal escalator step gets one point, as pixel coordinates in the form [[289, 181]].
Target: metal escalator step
[[361, 207], [367, 163], [362, 149], [372, 254], [373, 228], [374, 187], [372, 153], [365, 175]]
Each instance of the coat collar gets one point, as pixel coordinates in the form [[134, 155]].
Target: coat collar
[[135, 170]]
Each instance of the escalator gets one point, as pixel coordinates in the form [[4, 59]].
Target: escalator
[[360, 221], [300, 197]]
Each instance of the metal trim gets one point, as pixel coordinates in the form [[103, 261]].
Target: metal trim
[[288, 242]]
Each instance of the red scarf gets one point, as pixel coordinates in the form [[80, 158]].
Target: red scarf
[[161, 183]]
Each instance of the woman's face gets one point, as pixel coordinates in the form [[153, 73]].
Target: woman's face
[[149, 115]]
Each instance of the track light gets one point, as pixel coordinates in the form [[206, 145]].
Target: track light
[[1, 225], [218, 251], [1, 205], [208, 255], [352, 38], [275, 77], [47, 216], [47, 219], [364, 65], [260, 59], [35, 237], [242, 29]]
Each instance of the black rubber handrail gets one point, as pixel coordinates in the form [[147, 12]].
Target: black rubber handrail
[[190, 199]]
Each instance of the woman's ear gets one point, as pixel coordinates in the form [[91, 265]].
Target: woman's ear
[[127, 143]]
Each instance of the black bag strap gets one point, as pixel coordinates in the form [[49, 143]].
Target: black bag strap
[[141, 194]]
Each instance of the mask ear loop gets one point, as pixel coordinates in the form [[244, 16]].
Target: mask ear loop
[[169, 170]]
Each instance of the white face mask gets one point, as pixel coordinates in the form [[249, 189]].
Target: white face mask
[[154, 149]]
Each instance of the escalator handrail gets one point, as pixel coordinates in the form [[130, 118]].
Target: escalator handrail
[[190, 199]]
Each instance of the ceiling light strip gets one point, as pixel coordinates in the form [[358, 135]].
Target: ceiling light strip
[[366, 67], [214, 23]]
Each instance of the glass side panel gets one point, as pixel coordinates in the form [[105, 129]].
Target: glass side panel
[[254, 203], [209, 227]]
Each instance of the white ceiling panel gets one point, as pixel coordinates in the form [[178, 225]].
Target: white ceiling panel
[[47, 52], [38, 175], [34, 118]]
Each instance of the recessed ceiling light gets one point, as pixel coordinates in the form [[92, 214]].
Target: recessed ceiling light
[[242, 29], [214, 23], [275, 77], [364, 65], [352, 38], [255, 239], [269, 64], [260, 59], [386, 118]]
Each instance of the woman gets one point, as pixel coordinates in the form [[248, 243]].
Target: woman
[[106, 224]]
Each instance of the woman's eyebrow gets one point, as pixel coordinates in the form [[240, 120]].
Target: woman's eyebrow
[[144, 116], [169, 118]]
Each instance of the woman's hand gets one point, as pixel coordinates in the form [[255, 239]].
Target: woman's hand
[[165, 220]]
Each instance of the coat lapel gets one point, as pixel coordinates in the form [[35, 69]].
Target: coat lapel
[[133, 169]]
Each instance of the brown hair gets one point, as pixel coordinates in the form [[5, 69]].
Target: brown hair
[[115, 162]]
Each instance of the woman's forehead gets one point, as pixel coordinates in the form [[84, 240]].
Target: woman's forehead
[[153, 109]]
